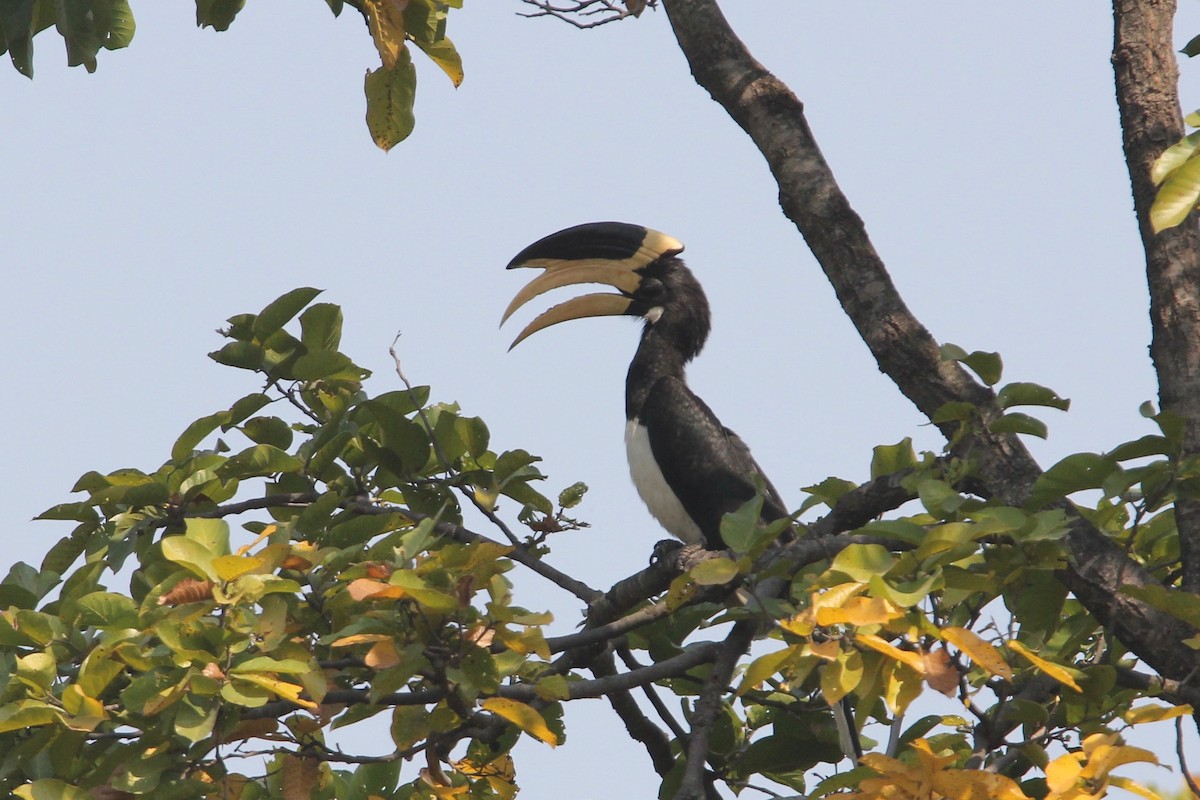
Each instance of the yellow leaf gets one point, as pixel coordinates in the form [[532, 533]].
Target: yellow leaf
[[524, 716], [285, 690], [828, 650], [714, 572], [980, 652], [230, 567], [1063, 772], [445, 55], [367, 589], [836, 596], [901, 686], [360, 638], [1106, 758], [1134, 787], [859, 611], [382, 655], [386, 21], [1059, 673], [905, 657], [1177, 196], [1155, 713], [802, 624], [267, 531], [839, 678]]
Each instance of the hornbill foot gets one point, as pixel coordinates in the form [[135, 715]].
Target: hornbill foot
[[665, 549]]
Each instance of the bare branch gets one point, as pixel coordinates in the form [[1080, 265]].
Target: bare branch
[[596, 12], [636, 723]]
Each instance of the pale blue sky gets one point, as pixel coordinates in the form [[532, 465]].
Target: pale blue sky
[[198, 175]]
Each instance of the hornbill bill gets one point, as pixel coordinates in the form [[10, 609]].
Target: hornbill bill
[[688, 468]]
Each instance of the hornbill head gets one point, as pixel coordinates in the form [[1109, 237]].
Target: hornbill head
[[639, 262]]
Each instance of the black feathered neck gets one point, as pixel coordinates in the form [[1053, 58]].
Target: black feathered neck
[[677, 322]]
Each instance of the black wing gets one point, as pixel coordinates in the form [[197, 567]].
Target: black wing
[[708, 466]]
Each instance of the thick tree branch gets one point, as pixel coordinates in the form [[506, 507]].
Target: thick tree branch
[[810, 196], [1146, 78]]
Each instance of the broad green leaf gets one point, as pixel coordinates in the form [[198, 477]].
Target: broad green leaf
[[1073, 474], [268, 430], [738, 527], [390, 94], [1016, 422], [321, 364], [1192, 47], [259, 460], [1030, 394], [107, 610], [1149, 445], [121, 26], [243, 355], [281, 311], [321, 327], [861, 562], [939, 498], [890, 459], [1177, 603], [190, 554], [286, 666], [217, 14], [988, 366], [196, 432]]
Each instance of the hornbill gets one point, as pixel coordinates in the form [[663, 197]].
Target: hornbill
[[689, 469]]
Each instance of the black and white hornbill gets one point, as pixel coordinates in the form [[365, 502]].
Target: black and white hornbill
[[688, 468]]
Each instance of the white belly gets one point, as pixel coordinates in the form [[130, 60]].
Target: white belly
[[653, 488]]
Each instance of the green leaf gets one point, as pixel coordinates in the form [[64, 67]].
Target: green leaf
[[826, 492], [1192, 47], [217, 14], [1177, 603], [321, 327], [77, 23], [121, 26], [390, 96], [1030, 394], [243, 355], [738, 527], [269, 430], [320, 364], [50, 789], [572, 495], [1073, 474], [861, 562], [195, 433], [890, 459], [281, 310], [939, 498], [988, 366], [259, 460], [1149, 445], [1016, 422], [107, 610]]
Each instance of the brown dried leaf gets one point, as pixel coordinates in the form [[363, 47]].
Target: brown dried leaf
[[188, 590], [940, 673]]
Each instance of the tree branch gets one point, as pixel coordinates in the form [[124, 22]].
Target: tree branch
[[810, 196], [1147, 78]]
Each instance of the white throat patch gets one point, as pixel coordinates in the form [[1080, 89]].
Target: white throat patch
[[653, 315]]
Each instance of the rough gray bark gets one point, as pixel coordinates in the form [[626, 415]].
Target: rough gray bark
[[808, 193], [1147, 76]]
